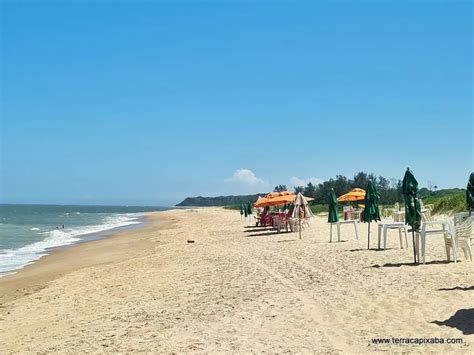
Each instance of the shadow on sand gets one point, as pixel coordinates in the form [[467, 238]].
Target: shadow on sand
[[462, 320], [371, 249], [457, 288], [413, 264], [270, 232], [257, 229]]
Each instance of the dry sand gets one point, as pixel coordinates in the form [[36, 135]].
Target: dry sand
[[236, 289]]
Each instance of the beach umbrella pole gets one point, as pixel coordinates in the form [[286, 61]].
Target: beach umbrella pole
[[368, 238], [300, 227], [413, 233], [330, 235], [414, 247]]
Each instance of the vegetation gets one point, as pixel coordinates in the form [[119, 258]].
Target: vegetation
[[319, 208], [390, 189], [444, 201], [218, 201]]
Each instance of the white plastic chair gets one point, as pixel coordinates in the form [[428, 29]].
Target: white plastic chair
[[280, 223], [390, 211], [399, 216], [338, 225], [385, 226], [294, 224], [345, 211], [305, 223], [463, 234], [427, 213], [444, 228]]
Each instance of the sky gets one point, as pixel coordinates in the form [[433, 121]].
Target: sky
[[147, 102]]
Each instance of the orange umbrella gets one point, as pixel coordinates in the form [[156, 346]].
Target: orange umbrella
[[353, 195], [275, 199], [278, 199], [278, 194]]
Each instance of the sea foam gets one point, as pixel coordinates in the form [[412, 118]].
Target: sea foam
[[14, 259]]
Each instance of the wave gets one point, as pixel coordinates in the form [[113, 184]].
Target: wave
[[34, 229], [14, 259]]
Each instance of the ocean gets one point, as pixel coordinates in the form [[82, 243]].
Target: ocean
[[28, 232]]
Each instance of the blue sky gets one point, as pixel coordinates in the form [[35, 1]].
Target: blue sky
[[149, 102]]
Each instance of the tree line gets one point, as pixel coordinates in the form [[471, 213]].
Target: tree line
[[390, 190]]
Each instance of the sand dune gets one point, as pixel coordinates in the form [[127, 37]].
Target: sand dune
[[236, 289]]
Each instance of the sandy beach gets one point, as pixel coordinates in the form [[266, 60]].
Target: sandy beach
[[237, 288]]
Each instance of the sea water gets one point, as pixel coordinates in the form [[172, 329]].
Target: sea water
[[28, 232]]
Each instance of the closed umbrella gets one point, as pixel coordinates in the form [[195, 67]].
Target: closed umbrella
[[241, 210], [301, 209], [470, 193], [249, 209], [412, 205], [371, 209], [332, 215]]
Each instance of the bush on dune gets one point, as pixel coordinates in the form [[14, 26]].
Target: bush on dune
[[448, 203]]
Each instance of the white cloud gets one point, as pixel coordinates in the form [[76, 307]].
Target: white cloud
[[246, 177], [296, 181]]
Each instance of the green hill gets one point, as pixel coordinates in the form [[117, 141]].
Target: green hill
[[201, 201]]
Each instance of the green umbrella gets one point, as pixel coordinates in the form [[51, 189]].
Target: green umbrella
[[412, 205], [371, 210], [241, 210], [246, 212], [249, 208], [332, 216], [470, 193]]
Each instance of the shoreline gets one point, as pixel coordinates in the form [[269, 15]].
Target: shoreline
[[84, 238], [237, 288], [65, 259]]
